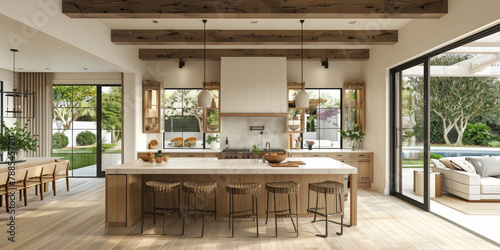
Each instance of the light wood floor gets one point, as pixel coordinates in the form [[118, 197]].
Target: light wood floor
[[75, 220]]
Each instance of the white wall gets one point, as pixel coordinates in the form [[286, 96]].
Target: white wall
[[316, 76], [190, 76], [416, 38]]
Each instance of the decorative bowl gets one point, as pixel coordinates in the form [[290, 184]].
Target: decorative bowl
[[165, 157], [274, 157], [146, 158], [293, 127], [212, 126]]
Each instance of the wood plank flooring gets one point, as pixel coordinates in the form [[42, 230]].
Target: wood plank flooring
[[75, 220]]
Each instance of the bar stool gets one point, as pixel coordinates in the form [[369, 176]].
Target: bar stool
[[288, 188], [243, 189], [161, 187], [199, 187], [327, 187]]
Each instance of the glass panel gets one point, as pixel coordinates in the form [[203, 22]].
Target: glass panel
[[111, 120], [86, 118], [84, 96], [62, 96], [215, 98], [412, 132], [62, 118], [351, 108], [173, 98], [212, 119], [84, 158]]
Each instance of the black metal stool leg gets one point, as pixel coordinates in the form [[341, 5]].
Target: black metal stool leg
[[297, 211], [164, 213], [275, 217], [229, 209], [341, 215], [253, 209], [204, 208], [232, 214], [154, 207], [215, 203], [186, 211], [290, 213], [257, 214], [308, 196], [267, 206], [143, 208], [326, 220], [317, 194], [195, 203], [178, 202]]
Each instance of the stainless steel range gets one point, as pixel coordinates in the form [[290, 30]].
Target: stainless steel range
[[243, 153]]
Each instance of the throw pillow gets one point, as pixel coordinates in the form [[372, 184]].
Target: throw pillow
[[464, 165], [447, 163], [485, 166], [438, 164]]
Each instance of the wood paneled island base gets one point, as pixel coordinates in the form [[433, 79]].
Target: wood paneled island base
[[124, 184]]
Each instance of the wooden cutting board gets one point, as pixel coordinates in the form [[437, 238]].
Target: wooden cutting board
[[296, 162], [286, 164]]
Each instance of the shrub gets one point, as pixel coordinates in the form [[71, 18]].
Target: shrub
[[495, 144], [105, 146], [85, 138], [59, 140], [436, 156], [477, 134]]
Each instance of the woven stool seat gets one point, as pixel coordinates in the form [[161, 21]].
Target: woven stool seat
[[243, 188], [162, 186], [288, 187], [199, 187], [328, 187]]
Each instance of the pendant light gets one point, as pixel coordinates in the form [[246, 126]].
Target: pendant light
[[302, 98], [17, 102], [204, 97]]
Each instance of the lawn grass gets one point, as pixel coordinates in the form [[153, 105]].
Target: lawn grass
[[78, 160]]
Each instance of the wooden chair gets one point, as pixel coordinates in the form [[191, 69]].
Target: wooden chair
[[31, 179], [46, 176], [61, 171], [4, 177], [19, 178]]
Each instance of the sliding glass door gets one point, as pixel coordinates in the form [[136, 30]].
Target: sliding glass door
[[86, 127], [410, 116]]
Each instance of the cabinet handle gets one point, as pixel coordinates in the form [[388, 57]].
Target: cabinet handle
[[316, 155], [190, 155]]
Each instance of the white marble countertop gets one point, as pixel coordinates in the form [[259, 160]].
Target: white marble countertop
[[314, 165], [186, 151], [333, 150]]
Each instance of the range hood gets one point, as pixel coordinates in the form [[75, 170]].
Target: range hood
[[253, 86]]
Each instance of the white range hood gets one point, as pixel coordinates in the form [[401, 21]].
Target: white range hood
[[253, 86]]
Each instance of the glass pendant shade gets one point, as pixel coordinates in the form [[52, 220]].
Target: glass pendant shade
[[204, 99], [302, 99]]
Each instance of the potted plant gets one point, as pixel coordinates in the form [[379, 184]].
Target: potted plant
[[212, 121], [353, 136], [24, 140], [213, 140], [256, 150]]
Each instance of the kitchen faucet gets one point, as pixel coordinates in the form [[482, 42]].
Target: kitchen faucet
[[268, 145]]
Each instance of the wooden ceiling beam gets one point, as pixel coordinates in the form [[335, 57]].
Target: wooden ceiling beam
[[290, 54], [253, 37], [255, 9]]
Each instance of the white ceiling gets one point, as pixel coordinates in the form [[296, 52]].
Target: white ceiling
[[42, 51]]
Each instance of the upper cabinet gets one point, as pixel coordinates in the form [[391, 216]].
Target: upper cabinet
[[253, 86], [152, 107], [354, 105]]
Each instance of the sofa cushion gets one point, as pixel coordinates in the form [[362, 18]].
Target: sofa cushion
[[490, 185], [496, 157], [447, 162], [438, 164], [464, 165], [485, 166]]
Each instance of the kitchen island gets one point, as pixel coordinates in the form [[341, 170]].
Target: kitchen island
[[124, 182]]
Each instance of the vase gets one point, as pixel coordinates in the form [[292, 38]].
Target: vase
[[309, 147], [21, 155], [213, 146], [353, 146]]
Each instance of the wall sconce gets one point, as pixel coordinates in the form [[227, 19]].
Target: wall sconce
[[325, 63], [181, 63]]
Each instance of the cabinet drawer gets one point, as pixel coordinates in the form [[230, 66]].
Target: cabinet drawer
[[211, 155], [315, 154], [361, 156], [172, 155], [190, 155], [295, 155], [339, 155]]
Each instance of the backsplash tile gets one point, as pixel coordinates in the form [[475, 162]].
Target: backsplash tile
[[237, 130]]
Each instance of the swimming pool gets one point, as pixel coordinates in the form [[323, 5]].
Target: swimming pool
[[414, 152]]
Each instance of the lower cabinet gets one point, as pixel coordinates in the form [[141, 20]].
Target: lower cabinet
[[362, 161]]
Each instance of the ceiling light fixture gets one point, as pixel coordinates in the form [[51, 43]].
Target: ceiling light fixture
[[325, 63], [181, 63], [17, 101], [302, 98], [204, 97]]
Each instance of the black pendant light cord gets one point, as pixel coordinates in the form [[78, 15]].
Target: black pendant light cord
[[302, 52], [204, 51]]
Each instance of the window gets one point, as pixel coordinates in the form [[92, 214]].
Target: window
[[183, 119], [323, 118]]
